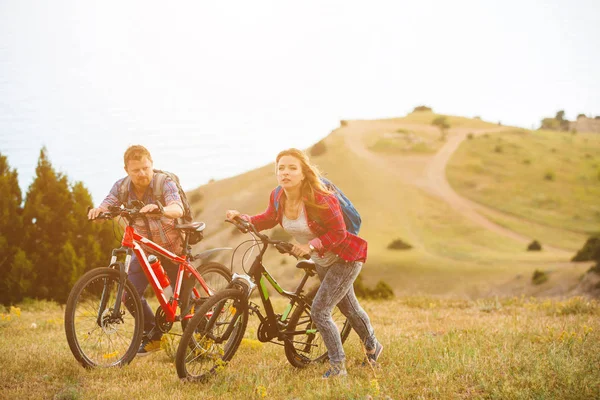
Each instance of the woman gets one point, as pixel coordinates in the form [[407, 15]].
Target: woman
[[311, 214]]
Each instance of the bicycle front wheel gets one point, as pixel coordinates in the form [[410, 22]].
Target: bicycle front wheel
[[193, 295], [97, 336], [305, 345], [212, 336]]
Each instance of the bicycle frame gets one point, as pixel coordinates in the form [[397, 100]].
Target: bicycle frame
[[259, 276], [131, 243]]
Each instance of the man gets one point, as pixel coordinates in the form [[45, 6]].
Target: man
[[139, 185]]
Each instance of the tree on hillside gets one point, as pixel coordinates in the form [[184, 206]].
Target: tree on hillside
[[92, 242], [422, 108], [562, 122], [48, 221], [11, 230], [442, 123]]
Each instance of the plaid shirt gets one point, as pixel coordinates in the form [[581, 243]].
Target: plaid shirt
[[162, 229], [327, 223]]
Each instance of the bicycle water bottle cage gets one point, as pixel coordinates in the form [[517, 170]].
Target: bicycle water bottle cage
[[308, 266]]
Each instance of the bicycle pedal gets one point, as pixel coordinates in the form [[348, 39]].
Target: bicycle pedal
[[253, 308]]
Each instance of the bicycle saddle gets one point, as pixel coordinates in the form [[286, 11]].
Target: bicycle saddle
[[307, 265], [192, 226]]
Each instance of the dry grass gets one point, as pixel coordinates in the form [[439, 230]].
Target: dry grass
[[434, 349], [510, 172]]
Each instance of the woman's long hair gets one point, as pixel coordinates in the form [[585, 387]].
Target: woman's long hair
[[312, 182]]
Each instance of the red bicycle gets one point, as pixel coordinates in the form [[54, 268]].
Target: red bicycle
[[104, 331]]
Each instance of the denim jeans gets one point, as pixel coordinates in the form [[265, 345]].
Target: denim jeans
[[137, 277], [336, 289]]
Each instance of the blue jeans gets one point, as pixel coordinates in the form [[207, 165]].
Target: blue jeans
[[137, 277], [336, 289]]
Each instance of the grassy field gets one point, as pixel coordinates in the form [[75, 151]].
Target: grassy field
[[496, 348], [551, 178]]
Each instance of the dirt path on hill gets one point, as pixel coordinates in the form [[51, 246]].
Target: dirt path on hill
[[428, 172]]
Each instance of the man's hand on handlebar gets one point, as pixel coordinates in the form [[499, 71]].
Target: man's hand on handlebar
[[150, 208], [94, 212]]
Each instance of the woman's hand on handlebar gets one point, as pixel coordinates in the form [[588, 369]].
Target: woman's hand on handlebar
[[232, 214], [301, 251]]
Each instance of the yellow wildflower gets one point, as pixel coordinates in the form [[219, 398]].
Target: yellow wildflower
[[261, 391], [374, 385]]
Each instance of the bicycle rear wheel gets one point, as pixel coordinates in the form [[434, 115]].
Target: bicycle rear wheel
[[96, 337], [212, 336], [217, 277], [306, 344]]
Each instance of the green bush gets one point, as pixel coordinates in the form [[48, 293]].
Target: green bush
[[422, 108], [498, 149], [381, 291], [470, 136], [527, 161], [399, 244], [318, 149], [590, 250], [549, 176], [534, 246], [539, 277]]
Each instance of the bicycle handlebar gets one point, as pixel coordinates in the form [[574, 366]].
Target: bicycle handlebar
[[281, 246], [133, 212]]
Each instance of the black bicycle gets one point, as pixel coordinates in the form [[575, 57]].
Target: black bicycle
[[214, 334]]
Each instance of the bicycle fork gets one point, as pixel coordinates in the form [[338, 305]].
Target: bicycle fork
[[123, 270]]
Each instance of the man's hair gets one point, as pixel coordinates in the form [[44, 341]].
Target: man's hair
[[136, 152]]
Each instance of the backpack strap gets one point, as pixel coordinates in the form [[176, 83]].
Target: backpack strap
[[123, 193], [276, 198], [159, 184]]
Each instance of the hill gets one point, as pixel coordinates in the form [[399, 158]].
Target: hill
[[410, 185]]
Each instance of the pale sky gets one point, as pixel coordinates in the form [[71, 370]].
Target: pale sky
[[265, 75]]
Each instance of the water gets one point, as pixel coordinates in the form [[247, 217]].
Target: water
[[87, 91]]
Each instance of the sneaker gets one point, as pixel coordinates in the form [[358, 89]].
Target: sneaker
[[373, 357], [148, 346], [335, 371]]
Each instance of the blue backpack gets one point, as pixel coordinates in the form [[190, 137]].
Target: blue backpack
[[351, 216]]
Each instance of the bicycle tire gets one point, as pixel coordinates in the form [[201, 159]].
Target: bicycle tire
[[216, 275], [106, 343], [309, 348], [199, 356]]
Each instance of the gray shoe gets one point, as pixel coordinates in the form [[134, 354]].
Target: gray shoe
[[373, 357], [335, 371]]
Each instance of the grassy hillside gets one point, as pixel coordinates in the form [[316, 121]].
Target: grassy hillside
[[489, 348], [551, 178], [397, 198]]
